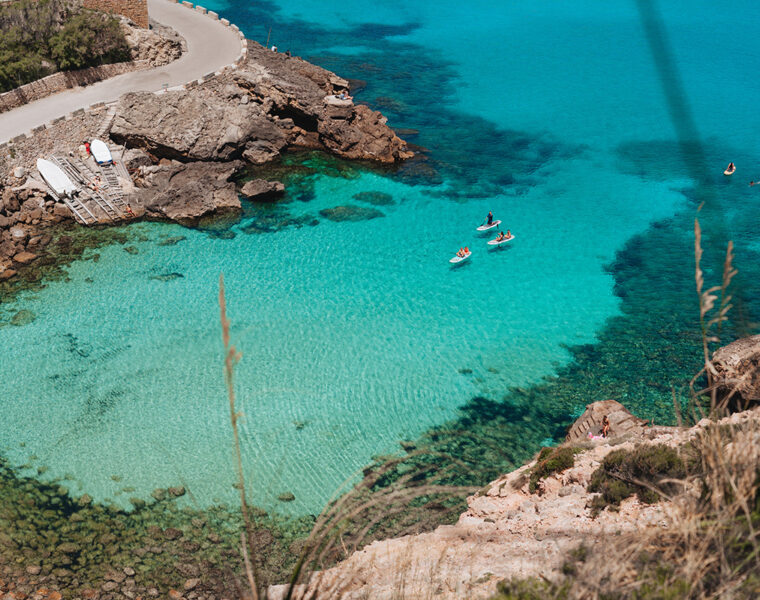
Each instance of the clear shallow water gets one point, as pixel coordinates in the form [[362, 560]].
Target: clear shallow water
[[356, 335]]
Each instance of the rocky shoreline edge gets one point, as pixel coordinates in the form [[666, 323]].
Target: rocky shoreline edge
[[549, 528], [184, 147]]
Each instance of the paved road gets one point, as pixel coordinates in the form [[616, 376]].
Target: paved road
[[210, 46]]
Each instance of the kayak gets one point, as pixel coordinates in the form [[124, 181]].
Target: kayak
[[491, 226], [458, 259], [498, 242]]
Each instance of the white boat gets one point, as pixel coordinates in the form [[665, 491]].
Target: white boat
[[100, 152], [491, 226], [459, 259], [498, 242], [54, 176]]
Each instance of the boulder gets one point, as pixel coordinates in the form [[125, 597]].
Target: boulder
[[157, 46], [350, 212], [261, 189], [187, 192], [622, 422], [9, 202], [737, 368], [24, 258]]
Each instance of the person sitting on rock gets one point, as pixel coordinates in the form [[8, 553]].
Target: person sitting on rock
[[129, 211], [605, 426]]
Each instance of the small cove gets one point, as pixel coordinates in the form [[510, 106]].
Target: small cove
[[357, 334]]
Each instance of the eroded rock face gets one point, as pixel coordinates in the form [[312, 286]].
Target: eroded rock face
[[187, 192], [261, 189], [738, 371], [192, 125], [272, 102]]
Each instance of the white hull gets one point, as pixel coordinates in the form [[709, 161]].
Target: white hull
[[491, 226], [100, 152], [55, 178], [497, 242]]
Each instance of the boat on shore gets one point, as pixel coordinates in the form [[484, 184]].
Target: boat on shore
[[101, 153], [54, 176]]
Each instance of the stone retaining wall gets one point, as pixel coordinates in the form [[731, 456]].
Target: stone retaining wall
[[137, 10], [64, 80]]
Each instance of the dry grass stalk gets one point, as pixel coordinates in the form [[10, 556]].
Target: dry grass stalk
[[231, 358], [709, 320], [698, 553]]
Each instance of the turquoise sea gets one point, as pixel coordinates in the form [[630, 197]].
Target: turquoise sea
[[356, 335]]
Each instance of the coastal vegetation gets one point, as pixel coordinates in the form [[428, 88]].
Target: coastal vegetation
[[40, 37], [706, 548], [647, 472], [551, 460]]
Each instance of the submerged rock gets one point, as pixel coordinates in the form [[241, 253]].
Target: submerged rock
[[167, 277], [22, 317], [375, 198], [286, 497], [172, 241], [350, 212]]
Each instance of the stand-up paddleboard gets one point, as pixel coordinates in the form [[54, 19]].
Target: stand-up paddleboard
[[101, 153], [55, 178], [459, 259], [491, 226], [498, 242]]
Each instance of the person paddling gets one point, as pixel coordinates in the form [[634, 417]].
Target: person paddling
[[490, 218]]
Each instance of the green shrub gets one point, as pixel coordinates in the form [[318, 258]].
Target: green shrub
[[88, 39], [40, 37], [551, 460], [624, 473], [531, 589]]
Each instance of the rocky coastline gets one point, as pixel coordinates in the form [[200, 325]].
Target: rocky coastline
[[531, 524], [184, 147]]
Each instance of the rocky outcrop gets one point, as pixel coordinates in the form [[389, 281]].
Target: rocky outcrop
[[157, 46], [186, 192], [261, 189], [507, 531], [737, 371], [622, 422], [272, 102], [192, 125]]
